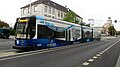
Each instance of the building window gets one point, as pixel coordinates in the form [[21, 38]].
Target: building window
[[53, 17], [45, 15], [53, 11], [49, 10], [45, 9], [58, 13], [35, 8], [28, 10], [61, 15], [49, 16], [24, 11]]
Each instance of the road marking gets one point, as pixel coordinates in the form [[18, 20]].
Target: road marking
[[110, 46], [102, 51], [118, 62], [95, 57], [85, 63], [91, 60], [98, 55]]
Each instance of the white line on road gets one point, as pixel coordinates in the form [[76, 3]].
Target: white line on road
[[95, 57], [110, 46], [98, 55], [91, 60], [118, 62], [85, 63]]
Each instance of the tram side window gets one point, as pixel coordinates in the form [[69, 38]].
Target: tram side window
[[75, 33], [88, 34], [44, 32], [59, 34]]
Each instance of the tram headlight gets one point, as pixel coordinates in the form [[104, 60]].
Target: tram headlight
[[17, 41]]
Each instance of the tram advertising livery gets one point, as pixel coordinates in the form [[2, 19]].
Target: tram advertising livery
[[43, 32]]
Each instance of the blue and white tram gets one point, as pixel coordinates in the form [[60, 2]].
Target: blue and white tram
[[87, 34], [44, 32]]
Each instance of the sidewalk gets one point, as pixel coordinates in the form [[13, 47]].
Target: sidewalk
[[107, 37], [118, 62], [12, 37]]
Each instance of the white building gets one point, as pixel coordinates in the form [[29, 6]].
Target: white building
[[46, 8]]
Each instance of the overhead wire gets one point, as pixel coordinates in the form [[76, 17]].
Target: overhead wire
[[79, 10]]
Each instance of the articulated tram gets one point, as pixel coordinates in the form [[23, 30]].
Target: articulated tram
[[43, 32]]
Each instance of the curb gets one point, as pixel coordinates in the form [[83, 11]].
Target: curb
[[12, 37], [118, 62]]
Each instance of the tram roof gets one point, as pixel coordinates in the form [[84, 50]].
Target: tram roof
[[55, 20]]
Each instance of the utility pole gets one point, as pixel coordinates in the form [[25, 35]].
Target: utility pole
[[91, 23], [30, 7]]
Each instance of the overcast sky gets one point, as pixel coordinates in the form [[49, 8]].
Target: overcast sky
[[99, 10]]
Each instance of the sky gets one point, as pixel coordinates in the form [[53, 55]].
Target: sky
[[99, 10]]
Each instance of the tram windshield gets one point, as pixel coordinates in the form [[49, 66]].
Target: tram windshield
[[21, 29]]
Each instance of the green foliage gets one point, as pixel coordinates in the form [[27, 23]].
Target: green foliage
[[3, 24], [12, 32], [71, 17], [118, 32], [111, 30]]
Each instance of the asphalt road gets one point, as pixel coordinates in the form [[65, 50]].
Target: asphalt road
[[109, 58], [6, 44], [70, 57]]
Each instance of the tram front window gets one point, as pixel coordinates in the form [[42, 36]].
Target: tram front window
[[21, 30]]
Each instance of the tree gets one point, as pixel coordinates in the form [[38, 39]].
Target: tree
[[71, 17], [111, 30], [3, 24]]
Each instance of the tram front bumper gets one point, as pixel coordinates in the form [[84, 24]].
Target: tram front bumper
[[22, 47]]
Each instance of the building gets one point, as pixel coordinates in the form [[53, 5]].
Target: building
[[46, 8]]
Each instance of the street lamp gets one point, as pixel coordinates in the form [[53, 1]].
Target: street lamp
[[91, 22]]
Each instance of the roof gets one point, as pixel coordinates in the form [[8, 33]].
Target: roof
[[49, 3]]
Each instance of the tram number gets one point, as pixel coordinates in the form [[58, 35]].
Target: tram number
[[51, 45], [39, 44]]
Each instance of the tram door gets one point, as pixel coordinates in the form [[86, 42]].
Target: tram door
[[68, 35]]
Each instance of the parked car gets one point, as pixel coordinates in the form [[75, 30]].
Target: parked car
[[4, 33]]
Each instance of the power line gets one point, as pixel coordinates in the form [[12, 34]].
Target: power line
[[79, 9]]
